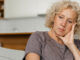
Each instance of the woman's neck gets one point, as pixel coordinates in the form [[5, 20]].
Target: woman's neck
[[54, 36]]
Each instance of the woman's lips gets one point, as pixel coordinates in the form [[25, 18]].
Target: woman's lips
[[61, 29]]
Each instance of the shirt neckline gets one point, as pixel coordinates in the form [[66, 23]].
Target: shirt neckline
[[54, 41]]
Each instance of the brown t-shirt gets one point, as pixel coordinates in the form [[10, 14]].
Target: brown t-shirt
[[47, 48]]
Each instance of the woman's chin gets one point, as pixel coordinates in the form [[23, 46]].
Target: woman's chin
[[61, 35]]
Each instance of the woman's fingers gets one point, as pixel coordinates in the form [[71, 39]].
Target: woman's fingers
[[71, 33], [73, 27]]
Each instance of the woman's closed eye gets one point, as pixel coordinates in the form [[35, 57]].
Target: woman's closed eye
[[70, 21], [61, 17]]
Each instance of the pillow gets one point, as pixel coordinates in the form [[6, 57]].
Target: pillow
[[11, 54]]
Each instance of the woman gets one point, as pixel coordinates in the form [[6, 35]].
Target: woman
[[58, 43]]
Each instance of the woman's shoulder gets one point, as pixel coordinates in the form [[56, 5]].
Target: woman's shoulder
[[40, 35], [40, 32]]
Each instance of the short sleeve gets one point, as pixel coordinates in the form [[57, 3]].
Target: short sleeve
[[34, 44]]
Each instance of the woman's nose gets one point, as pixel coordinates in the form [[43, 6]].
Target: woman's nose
[[63, 23]]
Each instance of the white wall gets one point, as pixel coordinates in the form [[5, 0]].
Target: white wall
[[23, 8], [15, 8]]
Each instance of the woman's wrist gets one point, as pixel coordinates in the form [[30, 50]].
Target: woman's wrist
[[72, 45]]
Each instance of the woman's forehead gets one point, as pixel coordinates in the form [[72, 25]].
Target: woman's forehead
[[68, 12]]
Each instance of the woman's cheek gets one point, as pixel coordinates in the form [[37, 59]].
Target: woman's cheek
[[69, 29]]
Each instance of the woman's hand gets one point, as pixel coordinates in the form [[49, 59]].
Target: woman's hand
[[69, 38], [69, 42]]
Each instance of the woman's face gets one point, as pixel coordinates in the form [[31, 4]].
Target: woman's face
[[63, 21]]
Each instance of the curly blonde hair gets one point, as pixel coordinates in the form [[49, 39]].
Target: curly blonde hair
[[57, 7]]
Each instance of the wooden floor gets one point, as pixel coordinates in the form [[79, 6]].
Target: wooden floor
[[14, 40]]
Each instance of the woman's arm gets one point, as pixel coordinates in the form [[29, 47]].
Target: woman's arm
[[32, 56], [69, 42], [33, 48], [75, 51]]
